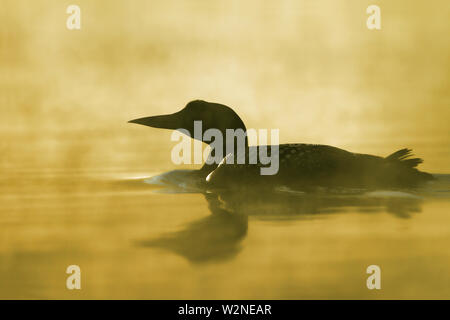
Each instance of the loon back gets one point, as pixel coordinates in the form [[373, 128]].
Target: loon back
[[300, 165], [307, 165]]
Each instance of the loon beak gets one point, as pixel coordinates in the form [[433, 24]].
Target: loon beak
[[168, 121]]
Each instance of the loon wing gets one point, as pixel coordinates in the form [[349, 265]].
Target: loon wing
[[331, 166], [308, 165]]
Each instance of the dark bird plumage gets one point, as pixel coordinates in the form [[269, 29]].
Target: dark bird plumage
[[300, 165]]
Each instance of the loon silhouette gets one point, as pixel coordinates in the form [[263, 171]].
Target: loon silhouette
[[300, 165]]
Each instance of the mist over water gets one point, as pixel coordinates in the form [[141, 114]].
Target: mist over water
[[72, 170]]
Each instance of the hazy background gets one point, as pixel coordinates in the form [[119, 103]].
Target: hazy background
[[68, 193], [310, 68]]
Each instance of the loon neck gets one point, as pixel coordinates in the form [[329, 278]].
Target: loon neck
[[235, 147]]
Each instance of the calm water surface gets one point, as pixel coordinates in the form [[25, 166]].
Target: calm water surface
[[136, 240]]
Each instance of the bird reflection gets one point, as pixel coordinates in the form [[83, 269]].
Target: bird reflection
[[219, 236], [214, 238], [298, 205]]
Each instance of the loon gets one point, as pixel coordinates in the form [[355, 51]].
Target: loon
[[300, 165]]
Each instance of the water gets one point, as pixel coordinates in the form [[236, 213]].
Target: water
[[134, 239]]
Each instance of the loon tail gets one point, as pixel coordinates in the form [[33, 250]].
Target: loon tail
[[404, 156], [402, 159]]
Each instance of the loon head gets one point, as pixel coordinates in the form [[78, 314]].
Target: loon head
[[212, 116]]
